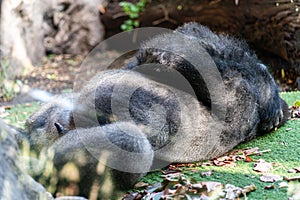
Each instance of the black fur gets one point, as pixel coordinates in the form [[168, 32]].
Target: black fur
[[236, 63]]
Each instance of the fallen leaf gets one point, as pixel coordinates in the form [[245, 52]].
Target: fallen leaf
[[269, 187], [172, 176], [210, 163], [283, 184], [294, 111], [262, 166], [270, 178], [229, 159], [211, 185], [295, 178], [134, 196], [141, 185], [183, 165], [208, 173], [177, 186], [170, 171], [153, 196], [248, 159], [292, 171], [251, 151], [153, 188], [197, 186], [297, 169], [233, 192], [224, 163]]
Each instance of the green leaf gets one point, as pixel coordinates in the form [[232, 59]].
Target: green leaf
[[133, 15], [124, 27], [141, 4], [126, 9], [297, 104], [124, 4], [134, 9], [136, 23], [128, 22]]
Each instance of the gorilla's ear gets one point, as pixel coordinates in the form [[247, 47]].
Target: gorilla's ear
[[60, 129]]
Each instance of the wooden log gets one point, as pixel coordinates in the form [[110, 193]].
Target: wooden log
[[270, 27]]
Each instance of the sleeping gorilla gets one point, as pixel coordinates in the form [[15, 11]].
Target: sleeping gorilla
[[141, 114]]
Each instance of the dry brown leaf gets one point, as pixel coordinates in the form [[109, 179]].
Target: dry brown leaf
[[297, 169], [233, 192], [170, 171], [251, 151], [262, 166], [229, 159], [177, 186], [224, 163], [295, 178], [172, 176], [141, 185], [212, 185], [270, 178], [248, 159]]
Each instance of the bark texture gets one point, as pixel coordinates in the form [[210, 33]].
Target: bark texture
[[32, 28], [270, 27]]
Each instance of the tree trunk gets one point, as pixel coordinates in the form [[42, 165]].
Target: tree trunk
[[32, 28], [270, 27], [21, 35]]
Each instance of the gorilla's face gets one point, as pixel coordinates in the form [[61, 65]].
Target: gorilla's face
[[47, 124]]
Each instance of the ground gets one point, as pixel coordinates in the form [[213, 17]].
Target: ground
[[55, 74]]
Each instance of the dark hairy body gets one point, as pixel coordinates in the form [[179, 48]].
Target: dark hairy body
[[159, 119]]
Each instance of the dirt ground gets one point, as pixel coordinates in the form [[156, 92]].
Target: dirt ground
[[60, 73], [55, 75]]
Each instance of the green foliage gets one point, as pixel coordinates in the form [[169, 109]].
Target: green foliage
[[8, 88], [133, 12], [297, 104]]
